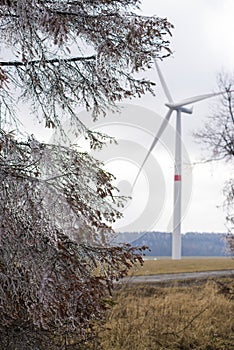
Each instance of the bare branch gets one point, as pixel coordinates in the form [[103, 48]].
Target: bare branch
[[44, 61]]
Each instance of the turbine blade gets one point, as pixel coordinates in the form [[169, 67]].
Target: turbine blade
[[196, 99], [163, 82], [155, 141]]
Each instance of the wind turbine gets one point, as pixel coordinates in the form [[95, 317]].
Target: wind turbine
[[179, 108]]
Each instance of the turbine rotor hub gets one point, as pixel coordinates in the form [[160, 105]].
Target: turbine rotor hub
[[179, 108]]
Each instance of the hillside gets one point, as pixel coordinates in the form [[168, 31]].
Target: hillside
[[193, 243]]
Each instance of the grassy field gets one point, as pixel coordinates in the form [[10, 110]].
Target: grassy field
[[151, 267], [177, 315], [149, 317]]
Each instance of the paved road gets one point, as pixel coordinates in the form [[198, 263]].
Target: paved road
[[177, 276]]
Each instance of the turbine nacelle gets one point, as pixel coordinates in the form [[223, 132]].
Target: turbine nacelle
[[176, 107]]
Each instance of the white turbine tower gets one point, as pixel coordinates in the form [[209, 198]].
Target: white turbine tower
[[179, 108]]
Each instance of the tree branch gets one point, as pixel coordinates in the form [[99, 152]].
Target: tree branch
[[230, 107], [55, 60]]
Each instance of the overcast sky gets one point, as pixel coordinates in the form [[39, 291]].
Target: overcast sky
[[202, 46]]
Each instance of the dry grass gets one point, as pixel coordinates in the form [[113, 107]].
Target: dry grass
[[151, 267], [149, 317]]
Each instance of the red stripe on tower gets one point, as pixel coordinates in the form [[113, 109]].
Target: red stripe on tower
[[177, 177]]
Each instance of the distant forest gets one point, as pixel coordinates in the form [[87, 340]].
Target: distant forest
[[193, 243]]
